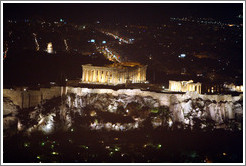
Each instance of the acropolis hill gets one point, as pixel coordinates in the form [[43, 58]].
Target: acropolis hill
[[182, 107], [115, 87]]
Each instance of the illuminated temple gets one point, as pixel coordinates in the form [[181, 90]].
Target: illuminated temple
[[117, 73], [185, 86]]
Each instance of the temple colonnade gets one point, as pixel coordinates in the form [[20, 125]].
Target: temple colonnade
[[112, 75]]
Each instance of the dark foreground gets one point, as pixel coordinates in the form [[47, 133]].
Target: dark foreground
[[139, 146]]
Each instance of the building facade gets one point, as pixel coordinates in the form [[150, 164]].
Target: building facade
[[50, 48], [215, 88], [185, 86], [118, 73]]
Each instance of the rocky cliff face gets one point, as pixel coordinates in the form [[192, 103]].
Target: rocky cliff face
[[126, 112], [10, 120]]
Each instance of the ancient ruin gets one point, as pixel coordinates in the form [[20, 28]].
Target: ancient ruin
[[185, 86], [118, 73]]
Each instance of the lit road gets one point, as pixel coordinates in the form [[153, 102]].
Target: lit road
[[109, 54], [121, 39]]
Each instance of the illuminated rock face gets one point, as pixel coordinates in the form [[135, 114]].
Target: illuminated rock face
[[53, 113], [10, 110], [160, 108], [113, 74], [185, 86]]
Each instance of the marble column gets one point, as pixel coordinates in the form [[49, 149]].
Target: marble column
[[106, 76], [91, 75], [122, 78], [86, 78], [116, 78], [113, 76], [141, 75], [83, 75], [94, 75], [99, 76], [110, 76], [102, 76]]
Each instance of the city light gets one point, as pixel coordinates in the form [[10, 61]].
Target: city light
[[49, 48], [92, 40], [182, 55], [123, 83]]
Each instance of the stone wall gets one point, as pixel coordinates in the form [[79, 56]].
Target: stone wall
[[14, 95], [164, 98], [31, 98]]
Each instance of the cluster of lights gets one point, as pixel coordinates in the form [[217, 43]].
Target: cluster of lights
[[36, 42], [109, 54], [92, 41], [127, 41], [157, 146], [115, 127], [117, 37], [182, 55], [203, 21], [233, 87]]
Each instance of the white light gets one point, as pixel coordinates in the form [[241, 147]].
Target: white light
[[48, 128], [65, 42], [49, 48], [182, 56], [170, 123]]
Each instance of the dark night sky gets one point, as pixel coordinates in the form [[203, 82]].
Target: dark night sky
[[125, 13]]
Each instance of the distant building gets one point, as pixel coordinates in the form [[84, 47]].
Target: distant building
[[233, 87], [49, 48], [184, 86], [118, 73], [215, 88]]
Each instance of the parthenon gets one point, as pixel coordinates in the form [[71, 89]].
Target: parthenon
[[118, 73]]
